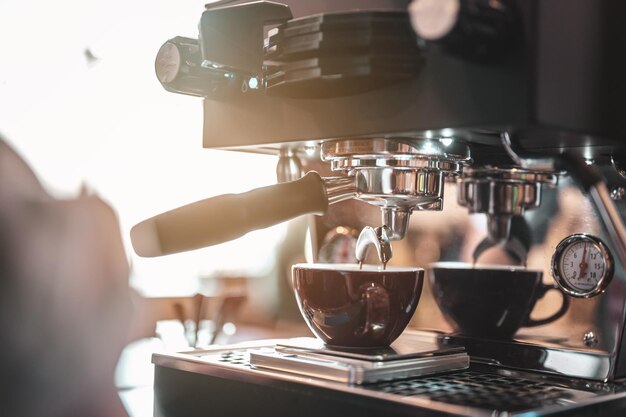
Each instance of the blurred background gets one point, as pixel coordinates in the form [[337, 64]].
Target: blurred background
[[80, 101]]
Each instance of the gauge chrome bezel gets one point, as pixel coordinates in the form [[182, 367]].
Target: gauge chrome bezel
[[607, 257]]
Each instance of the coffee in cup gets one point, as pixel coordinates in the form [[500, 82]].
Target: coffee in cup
[[346, 306], [491, 301]]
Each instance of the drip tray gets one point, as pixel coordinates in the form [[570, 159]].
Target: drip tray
[[484, 390], [480, 390], [468, 388]]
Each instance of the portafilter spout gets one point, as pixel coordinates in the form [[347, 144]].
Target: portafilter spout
[[378, 238]]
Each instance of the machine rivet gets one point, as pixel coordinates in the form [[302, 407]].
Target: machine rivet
[[590, 339], [617, 193]]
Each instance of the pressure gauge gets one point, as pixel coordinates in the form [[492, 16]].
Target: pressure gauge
[[582, 265]]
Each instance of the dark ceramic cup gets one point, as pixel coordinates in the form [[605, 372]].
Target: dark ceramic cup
[[489, 301], [345, 306]]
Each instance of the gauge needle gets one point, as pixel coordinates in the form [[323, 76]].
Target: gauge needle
[[583, 264]]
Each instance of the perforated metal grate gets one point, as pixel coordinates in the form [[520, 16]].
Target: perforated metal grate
[[467, 388], [480, 390], [235, 357]]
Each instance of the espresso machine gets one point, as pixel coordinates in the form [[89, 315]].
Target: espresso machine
[[512, 106]]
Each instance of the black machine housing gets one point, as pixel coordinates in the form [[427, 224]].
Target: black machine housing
[[557, 83]]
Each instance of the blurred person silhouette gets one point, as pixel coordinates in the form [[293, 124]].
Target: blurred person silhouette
[[64, 298]]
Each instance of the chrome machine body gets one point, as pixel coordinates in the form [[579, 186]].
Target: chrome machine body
[[497, 102]]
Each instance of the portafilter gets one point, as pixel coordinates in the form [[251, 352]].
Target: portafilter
[[398, 175]]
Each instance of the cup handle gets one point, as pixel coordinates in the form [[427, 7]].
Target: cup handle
[[564, 306]]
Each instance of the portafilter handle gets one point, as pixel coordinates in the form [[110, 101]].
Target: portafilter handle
[[229, 216]]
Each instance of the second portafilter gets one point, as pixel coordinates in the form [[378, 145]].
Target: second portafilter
[[399, 175], [502, 193]]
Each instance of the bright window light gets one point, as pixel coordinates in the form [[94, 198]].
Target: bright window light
[[80, 101]]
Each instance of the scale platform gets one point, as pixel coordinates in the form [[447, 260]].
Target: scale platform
[[224, 380], [407, 357]]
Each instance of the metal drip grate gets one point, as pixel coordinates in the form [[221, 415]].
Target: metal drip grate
[[479, 390], [235, 357], [467, 388]]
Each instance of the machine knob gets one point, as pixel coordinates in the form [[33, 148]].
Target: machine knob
[[178, 68], [474, 29]]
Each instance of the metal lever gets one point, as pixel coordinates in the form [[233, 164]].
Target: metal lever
[[591, 180], [378, 237], [524, 158]]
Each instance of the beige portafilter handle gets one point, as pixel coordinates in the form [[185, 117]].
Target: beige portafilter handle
[[229, 216]]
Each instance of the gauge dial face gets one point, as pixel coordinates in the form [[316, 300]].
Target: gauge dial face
[[582, 265]]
